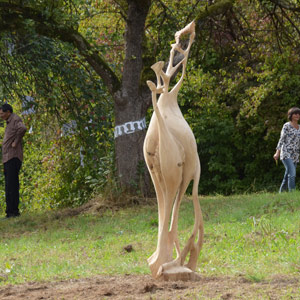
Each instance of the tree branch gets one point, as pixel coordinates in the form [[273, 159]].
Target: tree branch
[[216, 9], [286, 5], [12, 18]]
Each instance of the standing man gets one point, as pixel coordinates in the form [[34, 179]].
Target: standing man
[[12, 157]]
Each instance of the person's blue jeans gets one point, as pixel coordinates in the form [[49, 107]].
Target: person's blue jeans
[[289, 178]]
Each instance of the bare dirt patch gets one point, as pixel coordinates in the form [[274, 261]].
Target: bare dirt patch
[[144, 287]]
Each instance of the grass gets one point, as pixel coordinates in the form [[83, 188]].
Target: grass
[[255, 236]]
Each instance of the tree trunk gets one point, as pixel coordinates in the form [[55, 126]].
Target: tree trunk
[[132, 171], [131, 106]]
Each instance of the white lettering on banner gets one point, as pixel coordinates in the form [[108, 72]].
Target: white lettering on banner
[[130, 127]]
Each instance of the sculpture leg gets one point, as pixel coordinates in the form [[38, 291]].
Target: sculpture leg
[[192, 247], [175, 213], [174, 227], [154, 169], [159, 188], [164, 251], [171, 183], [195, 250]]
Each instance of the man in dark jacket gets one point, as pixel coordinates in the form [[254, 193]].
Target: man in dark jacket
[[12, 157]]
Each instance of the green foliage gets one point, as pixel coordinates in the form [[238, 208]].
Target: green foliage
[[70, 118], [236, 113]]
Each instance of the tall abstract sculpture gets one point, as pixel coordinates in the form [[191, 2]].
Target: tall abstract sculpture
[[170, 152]]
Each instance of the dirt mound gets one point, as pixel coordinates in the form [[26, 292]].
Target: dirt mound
[[144, 287], [98, 205]]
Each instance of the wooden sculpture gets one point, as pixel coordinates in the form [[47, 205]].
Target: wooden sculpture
[[170, 152]]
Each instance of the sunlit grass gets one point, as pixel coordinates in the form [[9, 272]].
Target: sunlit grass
[[255, 236]]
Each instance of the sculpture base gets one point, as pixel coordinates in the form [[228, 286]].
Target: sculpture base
[[179, 273]]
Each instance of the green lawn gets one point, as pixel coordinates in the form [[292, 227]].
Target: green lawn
[[256, 236]]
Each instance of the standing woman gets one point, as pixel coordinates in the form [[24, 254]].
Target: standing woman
[[288, 149]]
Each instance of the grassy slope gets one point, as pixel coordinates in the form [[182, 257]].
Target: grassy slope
[[256, 236]]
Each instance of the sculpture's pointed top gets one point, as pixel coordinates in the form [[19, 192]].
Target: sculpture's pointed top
[[190, 28]]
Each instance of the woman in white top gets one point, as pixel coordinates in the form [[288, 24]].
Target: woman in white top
[[288, 149]]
